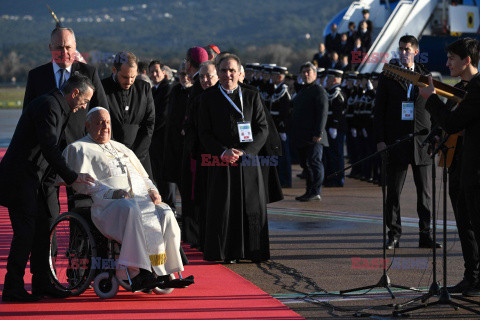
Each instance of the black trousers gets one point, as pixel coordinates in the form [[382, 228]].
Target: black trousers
[[31, 222], [422, 177], [465, 227]]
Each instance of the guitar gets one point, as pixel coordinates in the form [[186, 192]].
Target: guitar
[[442, 89]]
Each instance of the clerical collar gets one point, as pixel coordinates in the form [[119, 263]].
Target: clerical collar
[[228, 91]]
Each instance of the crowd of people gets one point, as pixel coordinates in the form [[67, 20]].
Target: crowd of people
[[222, 132], [345, 51]]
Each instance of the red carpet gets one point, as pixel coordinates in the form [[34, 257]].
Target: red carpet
[[218, 293]]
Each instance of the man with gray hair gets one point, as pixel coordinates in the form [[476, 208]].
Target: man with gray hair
[[127, 206], [55, 74], [207, 74], [132, 108], [32, 154], [310, 113]]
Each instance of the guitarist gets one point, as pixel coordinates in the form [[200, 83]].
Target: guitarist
[[464, 172], [399, 111]]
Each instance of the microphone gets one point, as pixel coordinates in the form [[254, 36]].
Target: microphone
[[431, 134]]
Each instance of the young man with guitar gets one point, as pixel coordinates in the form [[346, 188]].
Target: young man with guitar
[[464, 187]]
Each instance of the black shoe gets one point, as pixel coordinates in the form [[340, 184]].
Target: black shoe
[[177, 283], [427, 242], [460, 287], [392, 243], [302, 196], [472, 290], [145, 281], [19, 296], [50, 290], [226, 261], [313, 197]]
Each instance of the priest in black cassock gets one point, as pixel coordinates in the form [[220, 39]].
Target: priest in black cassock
[[131, 105], [232, 130]]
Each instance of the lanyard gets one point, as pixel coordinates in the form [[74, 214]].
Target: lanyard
[[233, 103], [409, 91]]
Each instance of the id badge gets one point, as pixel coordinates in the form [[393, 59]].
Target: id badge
[[407, 110], [245, 131]]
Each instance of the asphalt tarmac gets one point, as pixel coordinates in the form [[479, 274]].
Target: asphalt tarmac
[[321, 248]]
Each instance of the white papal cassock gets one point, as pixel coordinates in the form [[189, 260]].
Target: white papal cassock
[[149, 233]]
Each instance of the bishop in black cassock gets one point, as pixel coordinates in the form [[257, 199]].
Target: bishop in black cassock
[[236, 220]]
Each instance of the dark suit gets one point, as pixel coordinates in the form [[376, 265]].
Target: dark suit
[[321, 61], [310, 113], [332, 43], [33, 149], [389, 127], [465, 117], [133, 127], [41, 80]]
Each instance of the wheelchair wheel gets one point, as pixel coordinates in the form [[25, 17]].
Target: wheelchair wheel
[[105, 285], [72, 250]]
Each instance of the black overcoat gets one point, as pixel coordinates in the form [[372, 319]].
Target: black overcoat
[[309, 116]]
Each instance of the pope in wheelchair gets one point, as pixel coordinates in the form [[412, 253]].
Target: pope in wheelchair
[[127, 207]]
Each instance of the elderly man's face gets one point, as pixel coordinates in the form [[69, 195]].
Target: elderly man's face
[[208, 76], [99, 126], [156, 74], [184, 78], [229, 72], [126, 75], [63, 48], [308, 75]]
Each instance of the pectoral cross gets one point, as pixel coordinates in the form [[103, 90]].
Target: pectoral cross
[[121, 165]]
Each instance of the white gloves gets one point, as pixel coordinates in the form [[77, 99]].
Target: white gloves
[[283, 136], [333, 132], [364, 132], [354, 132]]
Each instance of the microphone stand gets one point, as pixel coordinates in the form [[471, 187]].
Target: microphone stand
[[384, 281], [434, 289], [445, 298]]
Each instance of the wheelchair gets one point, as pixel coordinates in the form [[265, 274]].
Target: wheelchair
[[80, 254]]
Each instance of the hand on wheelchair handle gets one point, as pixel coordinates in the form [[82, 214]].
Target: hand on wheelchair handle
[[120, 194], [85, 178]]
